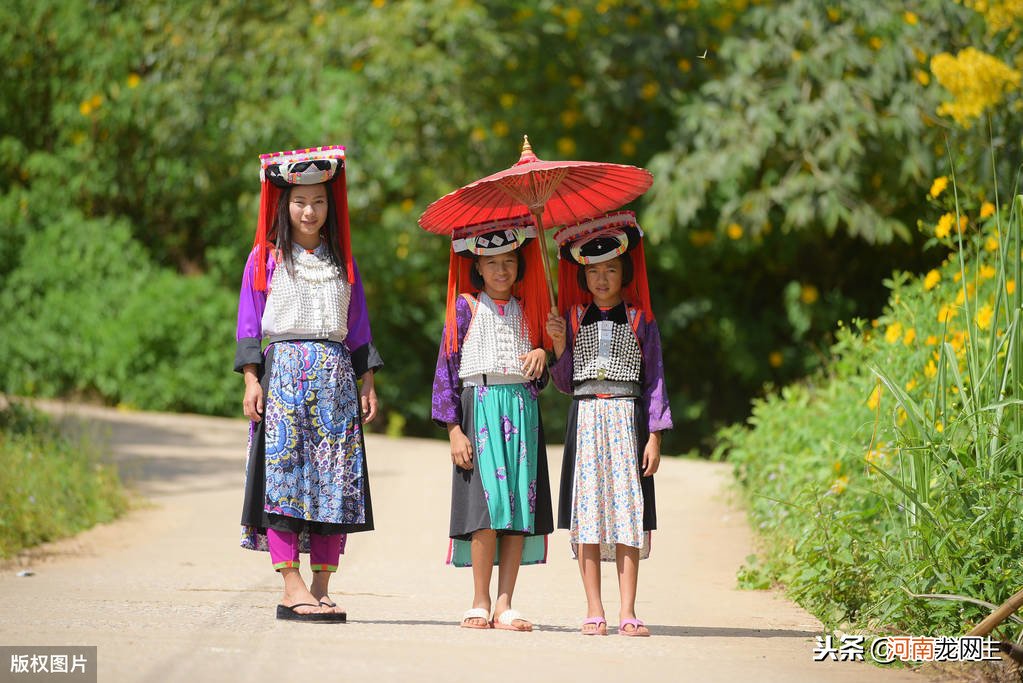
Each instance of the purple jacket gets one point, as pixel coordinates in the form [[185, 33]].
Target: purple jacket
[[251, 304]]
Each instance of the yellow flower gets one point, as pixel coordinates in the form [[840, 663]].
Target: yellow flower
[[379, 3], [650, 90], [922, 77], [910, 18], [569, 118], [134, 80], [808, 294], [407, 204], [992, 244], [931, 340], [946, 313], [931, 280], [984, 316], [507, 100], [977, 81], [636, 133], [85, 108], [930, 370], [911, 385], [734, 231], [566, 147], [96, 101], [1010, 286], [902, 417], [938, 186], [775, 359], [987, 272], [685, 65], [796, 55], [938, 427], [893, 333], [987, 209], [572, 16], [909, 337], [875, 398], [478, 134], [839, 485], [834, 14], [876, 43], [628, 148], [963, 222], [944, 226], [500, 129]]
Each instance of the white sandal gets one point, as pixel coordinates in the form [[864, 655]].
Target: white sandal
[[476, 613], [507, 619]]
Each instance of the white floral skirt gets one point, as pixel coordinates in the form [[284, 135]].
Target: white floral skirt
[[607, 500]]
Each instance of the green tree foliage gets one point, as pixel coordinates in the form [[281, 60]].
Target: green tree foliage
[[157, 133]]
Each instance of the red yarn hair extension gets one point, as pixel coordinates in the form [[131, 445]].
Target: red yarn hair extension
[[532, 292], [268, 198], [340, 189]]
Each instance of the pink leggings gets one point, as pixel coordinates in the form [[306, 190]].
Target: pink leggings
[[324, 551]]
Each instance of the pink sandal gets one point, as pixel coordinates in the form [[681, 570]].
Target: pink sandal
[[599, 622], [638, 630]]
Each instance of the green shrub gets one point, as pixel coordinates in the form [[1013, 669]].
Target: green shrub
[[95, 317], [50, 485], [897, 471]]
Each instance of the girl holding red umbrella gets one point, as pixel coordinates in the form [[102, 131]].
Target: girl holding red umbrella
[[490, 368], [608, 357]]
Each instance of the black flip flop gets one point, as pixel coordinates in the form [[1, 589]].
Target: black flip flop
[[342, 616], [289, 614]]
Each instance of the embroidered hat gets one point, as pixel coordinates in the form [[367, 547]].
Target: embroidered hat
[[279, 171], [493, 237], [599, 239], [596, 240]]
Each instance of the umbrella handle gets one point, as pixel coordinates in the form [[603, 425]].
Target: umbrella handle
[[546, 263]]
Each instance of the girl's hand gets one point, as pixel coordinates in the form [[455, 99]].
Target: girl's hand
[[252, 404], [461, 448], [652, 455], [368, 398], [533, 363], [557, 331]]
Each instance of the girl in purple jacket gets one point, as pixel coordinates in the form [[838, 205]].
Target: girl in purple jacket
[[307, 485]]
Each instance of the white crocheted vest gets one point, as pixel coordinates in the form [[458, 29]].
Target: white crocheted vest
[[312, 303], [494, 343]]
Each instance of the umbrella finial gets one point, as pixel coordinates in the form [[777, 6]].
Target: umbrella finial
[[527, 152]]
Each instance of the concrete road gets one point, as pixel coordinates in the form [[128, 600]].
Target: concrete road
[[167, 595]]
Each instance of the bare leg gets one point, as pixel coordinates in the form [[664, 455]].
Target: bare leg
[[507, 574], [295, 592], [319, 590], [482, 549], [627, 559], [589, 569]]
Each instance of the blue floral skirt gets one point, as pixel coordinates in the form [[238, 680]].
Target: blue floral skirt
[[306, 469]]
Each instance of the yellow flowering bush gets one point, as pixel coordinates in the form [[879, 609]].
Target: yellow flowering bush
[[976, 80]]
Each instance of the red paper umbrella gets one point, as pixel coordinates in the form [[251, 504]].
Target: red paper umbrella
[[555, 192]]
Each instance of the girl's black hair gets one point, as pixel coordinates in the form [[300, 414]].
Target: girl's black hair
[[328, 232], [627, 273], [477, 280]]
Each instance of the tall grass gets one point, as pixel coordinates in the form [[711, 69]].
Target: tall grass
[[888, 488], [50, 485]]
